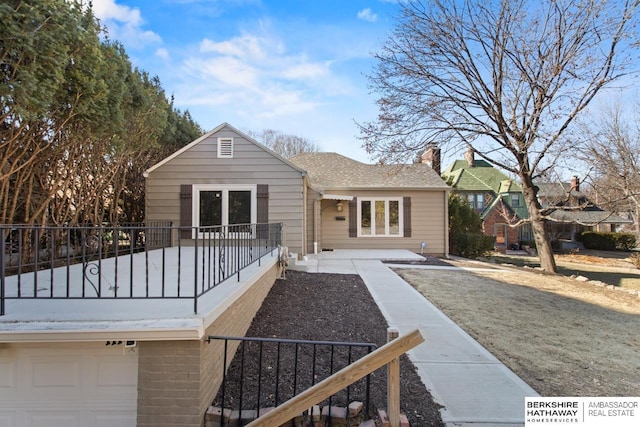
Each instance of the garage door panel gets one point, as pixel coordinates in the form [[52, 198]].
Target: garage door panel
[[8, 376], [8, 419], [40, 419], [81, 384], [56, 372], [113, 374]]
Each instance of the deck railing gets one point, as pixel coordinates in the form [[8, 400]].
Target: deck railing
[[134, 261]]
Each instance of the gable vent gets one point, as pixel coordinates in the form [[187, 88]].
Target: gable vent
[[225, 147]]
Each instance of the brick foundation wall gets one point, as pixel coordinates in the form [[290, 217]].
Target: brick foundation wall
[[168, 383], [177, 380], [234, 322]]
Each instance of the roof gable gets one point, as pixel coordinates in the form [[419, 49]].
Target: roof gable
[[216, 130], [496, 203], [481, 177]]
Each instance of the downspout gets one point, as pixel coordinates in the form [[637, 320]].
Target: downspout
[[446, 223], [316, 224], [305, 219]]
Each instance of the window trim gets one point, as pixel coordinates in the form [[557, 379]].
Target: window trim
[[515, 197], [399, 200], [224, 188], [476, 200], [225, 151]]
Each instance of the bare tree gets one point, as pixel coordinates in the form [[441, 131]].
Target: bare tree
[[285, 144], [610, 145], [506, 78]]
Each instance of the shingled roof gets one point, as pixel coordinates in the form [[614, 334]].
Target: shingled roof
[[482, 176], [332, 171]]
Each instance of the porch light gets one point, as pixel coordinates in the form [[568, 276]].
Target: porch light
[[339, 206]]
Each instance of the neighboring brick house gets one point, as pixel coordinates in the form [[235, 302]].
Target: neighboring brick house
[[497, 199], [500, 203], [571, 212]]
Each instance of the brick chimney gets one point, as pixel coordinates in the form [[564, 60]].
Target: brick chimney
[[575, 183], [431, 157], [469, 156]]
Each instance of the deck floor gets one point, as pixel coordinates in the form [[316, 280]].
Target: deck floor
[[135, 288]]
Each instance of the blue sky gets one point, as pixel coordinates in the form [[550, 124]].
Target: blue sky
[[294, 66]]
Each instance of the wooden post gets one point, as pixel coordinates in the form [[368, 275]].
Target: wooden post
[[393, 384]]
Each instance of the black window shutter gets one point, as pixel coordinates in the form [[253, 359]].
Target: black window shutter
[[353, 217], [406, 209], [262, 196], [186, 210], [262, 210]]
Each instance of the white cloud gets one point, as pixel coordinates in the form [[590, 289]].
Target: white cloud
[[124, 24], [305, 70], [163, 53], [225, 71], [367, 15], [257, 77], [247, 47]]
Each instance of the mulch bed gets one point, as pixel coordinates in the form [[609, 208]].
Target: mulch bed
[[320, 307]]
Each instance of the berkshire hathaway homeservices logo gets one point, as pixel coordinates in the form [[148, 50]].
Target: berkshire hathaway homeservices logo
[[582, 411]]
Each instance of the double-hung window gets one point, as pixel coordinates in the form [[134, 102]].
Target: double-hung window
[[380, 217], [476, 200], [215, 205]]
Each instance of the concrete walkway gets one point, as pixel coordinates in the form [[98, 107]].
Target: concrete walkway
[[474, 387]]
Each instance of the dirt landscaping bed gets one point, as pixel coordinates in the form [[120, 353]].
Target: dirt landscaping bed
[[325, 307], [563, 336]]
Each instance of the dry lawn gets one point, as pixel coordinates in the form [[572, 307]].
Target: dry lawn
[[562, 336]]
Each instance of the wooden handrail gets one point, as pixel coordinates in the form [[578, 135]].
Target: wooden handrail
[[339, 380]]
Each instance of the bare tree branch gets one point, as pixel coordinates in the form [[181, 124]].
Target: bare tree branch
[[506, 78]]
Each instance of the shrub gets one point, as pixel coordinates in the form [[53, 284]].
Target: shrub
[[598, 241], [464, 223], [635, 259], [473, 245], [625, 241], [608, 241]]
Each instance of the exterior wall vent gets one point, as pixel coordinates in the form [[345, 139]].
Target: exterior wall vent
[[225, 148]]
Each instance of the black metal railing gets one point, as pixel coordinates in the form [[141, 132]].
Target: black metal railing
[[133, 261], [265, 372]]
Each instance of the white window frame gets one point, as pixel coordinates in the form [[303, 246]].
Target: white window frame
[[225, 148], [225, 188], [386, 200]]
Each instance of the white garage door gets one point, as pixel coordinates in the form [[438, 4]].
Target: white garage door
[[68, 385]]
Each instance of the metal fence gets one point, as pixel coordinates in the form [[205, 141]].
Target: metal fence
[[133, 261], [266, 372]]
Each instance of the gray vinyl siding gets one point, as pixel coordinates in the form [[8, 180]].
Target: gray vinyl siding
[[250, 165], [428, 223]]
